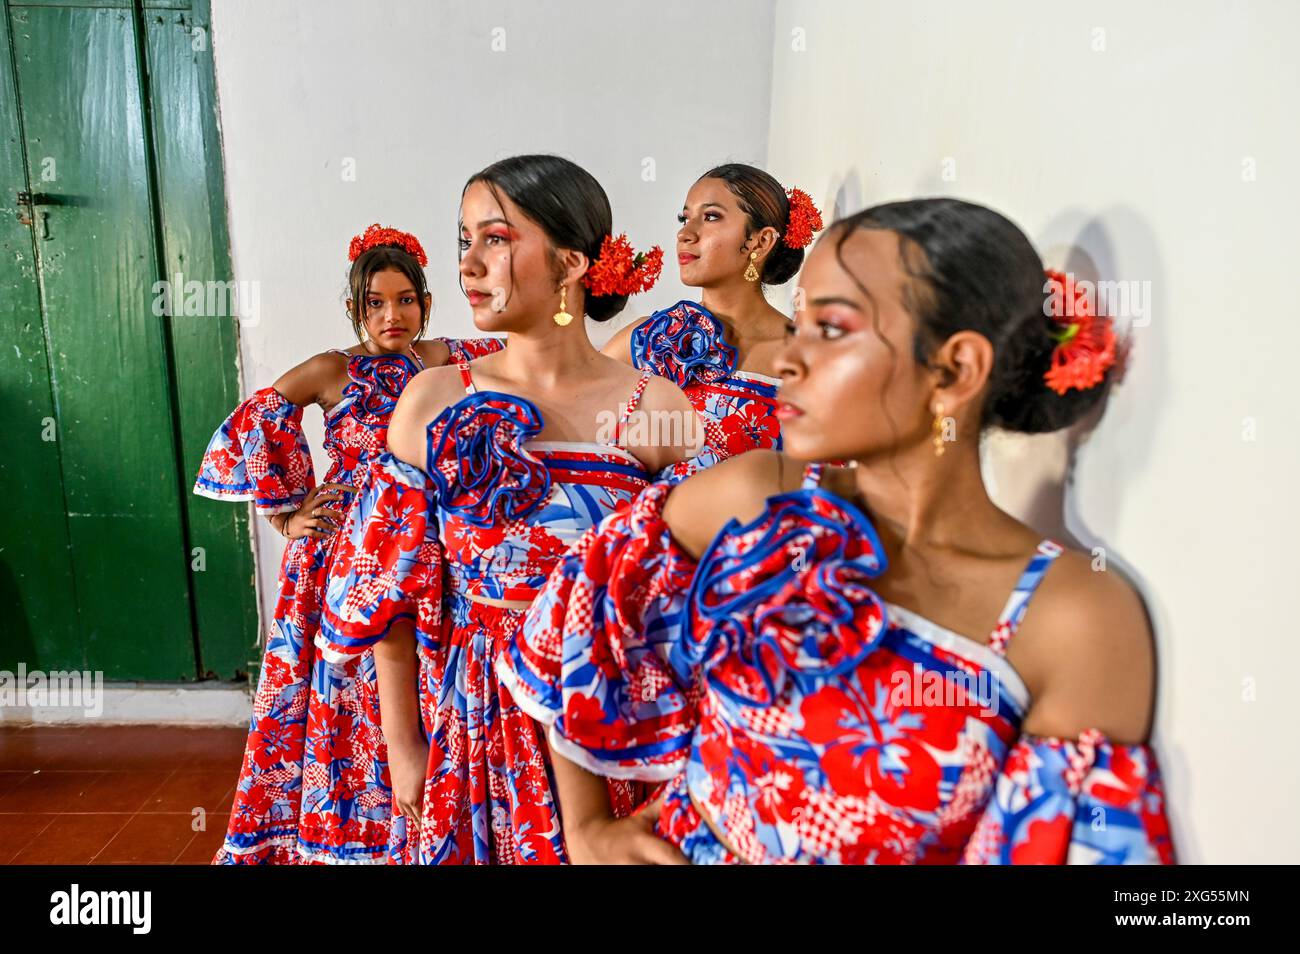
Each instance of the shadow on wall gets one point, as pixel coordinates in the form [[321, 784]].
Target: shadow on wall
[[1033, 477]]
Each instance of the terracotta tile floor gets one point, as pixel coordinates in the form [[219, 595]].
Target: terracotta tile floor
[[115, 794]]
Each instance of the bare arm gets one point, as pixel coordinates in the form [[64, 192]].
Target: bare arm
[[738, 487], [665, 427], [592, 834], [308, 383], [1087, 654], [397, 672], [311, 381]]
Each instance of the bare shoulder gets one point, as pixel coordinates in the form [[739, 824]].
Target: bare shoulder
[[433, 352], [736, 488], [663, 395], [1087, 649], [308, 382], [619, 346], [423, 399]]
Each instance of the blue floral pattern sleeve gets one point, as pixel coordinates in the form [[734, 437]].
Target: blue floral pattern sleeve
[[387, 566], [1085, 801], [259, 453]]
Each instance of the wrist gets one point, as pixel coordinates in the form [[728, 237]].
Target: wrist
[[408, 743]]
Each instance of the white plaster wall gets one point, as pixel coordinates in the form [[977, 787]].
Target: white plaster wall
[[417, 98], [1117, 135]]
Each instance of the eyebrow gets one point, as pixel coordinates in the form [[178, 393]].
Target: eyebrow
[[836, 300], [706, 205]]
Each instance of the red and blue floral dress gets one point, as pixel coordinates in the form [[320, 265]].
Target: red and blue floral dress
[[685, 343], [488, 516], [794, 716], [314, 782]]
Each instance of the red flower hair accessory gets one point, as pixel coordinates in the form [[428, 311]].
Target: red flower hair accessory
[[621, 270], [377, 235], [1085, 341], [805, 219]]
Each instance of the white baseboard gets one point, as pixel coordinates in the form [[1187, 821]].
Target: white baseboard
[[145, 703]]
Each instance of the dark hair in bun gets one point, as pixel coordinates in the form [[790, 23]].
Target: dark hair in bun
[[765, 203], [567, 202], [973, 269]]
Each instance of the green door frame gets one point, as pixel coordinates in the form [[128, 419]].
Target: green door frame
[[174, 52]]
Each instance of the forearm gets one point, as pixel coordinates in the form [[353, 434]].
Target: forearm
[[584, 797], [397, 671], [280, 523]]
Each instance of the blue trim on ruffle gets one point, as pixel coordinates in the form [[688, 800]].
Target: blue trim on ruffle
[[697, 352]]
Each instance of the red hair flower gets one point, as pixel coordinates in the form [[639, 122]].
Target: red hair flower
[[621, 270], [1085, 341], [805, 219], [377, 235]]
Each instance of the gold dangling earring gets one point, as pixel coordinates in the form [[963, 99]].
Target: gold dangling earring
[[751, 273], [562, 317], [938, 430]]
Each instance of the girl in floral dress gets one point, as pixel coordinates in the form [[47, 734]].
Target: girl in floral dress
[[496, 468], [314, 785], [740, 232], [837, 665]]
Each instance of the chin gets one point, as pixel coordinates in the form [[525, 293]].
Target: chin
[[485, 319], [802, 439], [693, 275]]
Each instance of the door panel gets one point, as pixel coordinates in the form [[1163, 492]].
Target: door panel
[[79, 93], [36, 598], [204, 348]]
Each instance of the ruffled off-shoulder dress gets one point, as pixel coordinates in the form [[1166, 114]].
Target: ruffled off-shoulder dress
[[794, 716], [314, 785], [487, 517], [686, 344]]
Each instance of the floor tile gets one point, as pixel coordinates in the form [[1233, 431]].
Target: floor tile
[[18, 831], [52, 791], [186, 790], [128, 791], [149, 839], [71, 840]]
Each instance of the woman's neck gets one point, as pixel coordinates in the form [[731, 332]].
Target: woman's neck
[[547, 355], [920, 501], [740, 306]]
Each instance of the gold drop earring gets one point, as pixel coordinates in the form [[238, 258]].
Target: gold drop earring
[[751, 273], [562, 317], [938, 430]]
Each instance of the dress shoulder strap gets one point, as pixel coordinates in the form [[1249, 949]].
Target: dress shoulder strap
[[812, 475], [346, 354], [1018, 602], [630, 405], [465, 377]]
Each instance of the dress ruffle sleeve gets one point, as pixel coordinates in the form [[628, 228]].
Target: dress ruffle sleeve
[[685, 344], [259, 453], [467, 349], [387, 566], [594, 658], [1085, 801]]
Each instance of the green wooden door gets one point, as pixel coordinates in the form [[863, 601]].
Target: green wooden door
[[113, 567]]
